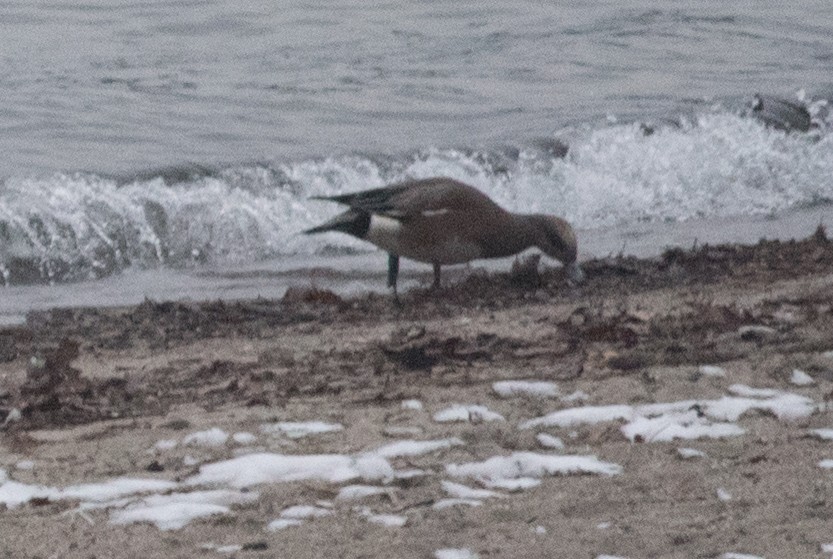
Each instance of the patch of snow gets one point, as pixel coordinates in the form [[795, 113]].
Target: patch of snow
[[26, 465], [282, 523], [451, 553], [580, 416], [413, 448], [244, 438], [172, 516], [739, 556], [609, 557], [460, 491], [823, 434], [783, 406], [3, 475], [577, 396], [826, 464], [603, 525], [827, 547], [189, 460], [689, 453], [113, 489], [409, 474], [211, 437], [175, 511], [14, 494], [723, 495], [299, 429], [711, 371], [800, 378], [748, 391], [665, 421], [164, 445], [512, 485], [540, 530], [688, 425], [530, 464], [387, 520], [536, 389], [253, 469], [447, 503], [548, 441], [414, 405], [353, 492], [467, 412]]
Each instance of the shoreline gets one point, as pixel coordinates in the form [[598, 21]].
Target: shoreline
[[359, 274], [100, 389]]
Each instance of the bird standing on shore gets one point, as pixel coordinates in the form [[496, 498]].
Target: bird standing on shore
[[444, 221]]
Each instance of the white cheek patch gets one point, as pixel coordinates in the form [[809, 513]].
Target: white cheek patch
[[384, 232]]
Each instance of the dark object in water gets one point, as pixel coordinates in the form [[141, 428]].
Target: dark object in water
[[780, 113]]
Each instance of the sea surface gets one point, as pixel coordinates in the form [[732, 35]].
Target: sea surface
[[167, 149]]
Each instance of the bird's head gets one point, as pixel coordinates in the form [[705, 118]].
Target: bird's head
[[557, 239]]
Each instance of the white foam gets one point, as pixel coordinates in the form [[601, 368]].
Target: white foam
[[548, 441], [300, 429], [400, 449], [467, 412], [800, 378], [455, 553], [253, 469], [211, 437], [537, 389]]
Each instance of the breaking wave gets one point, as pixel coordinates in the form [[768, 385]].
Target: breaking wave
[[719, 163]]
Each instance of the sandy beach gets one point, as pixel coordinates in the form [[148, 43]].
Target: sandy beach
[[699, 381]]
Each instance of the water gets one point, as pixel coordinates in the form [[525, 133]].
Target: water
[[182, 138]]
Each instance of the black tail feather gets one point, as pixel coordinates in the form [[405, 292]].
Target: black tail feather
[[353, 222]]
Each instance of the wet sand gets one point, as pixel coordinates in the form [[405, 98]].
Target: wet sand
[[97, 388]]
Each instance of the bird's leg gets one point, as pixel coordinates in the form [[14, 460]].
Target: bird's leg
[[436, 276], [393, 272]]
